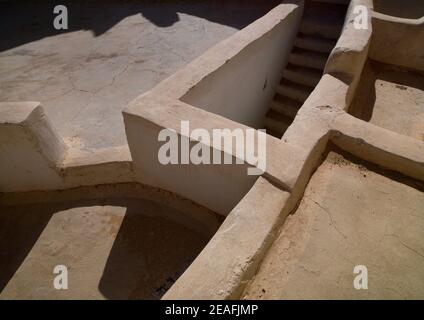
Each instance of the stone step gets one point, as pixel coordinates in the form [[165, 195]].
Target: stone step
[[285, 106], [314, 43], [276, 123], [308, 58], [323, 19], [294, 91], [325, 30], [303, 75]]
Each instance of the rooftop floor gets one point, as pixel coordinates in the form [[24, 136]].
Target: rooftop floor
[[351, 214], [113, 52], [392, 98], [114, 247]]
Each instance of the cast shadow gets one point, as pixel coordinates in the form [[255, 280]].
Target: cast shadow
[[23, 22], [148, 256], [149, 253], [19, 230], [365, 98]]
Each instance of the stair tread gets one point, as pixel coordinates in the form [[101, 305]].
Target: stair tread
[[314, 43], [290, 85], [294, 91], [308, 58], [286, 109], [303, 75], [323, 19], [287, 101], [326, 31], [276, 116], [277, 122], [326, 11]]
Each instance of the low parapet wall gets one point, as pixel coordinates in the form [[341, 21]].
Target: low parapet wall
[[33, 156], [30, 148], [348, 57], [398, 41], [214, 78], [242, 88]]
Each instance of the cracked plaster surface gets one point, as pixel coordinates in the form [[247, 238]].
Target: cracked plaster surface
[[350, 215], [85, 81]]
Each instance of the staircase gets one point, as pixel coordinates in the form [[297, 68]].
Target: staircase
[[320, 28]]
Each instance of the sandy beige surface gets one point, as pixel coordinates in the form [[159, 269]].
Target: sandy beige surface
[[350, 215], [112, 52], [120, 249], [392, 98]]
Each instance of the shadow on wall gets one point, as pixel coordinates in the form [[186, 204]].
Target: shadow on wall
[[22, 22], [148, 254], [411, 9], [362, 106], [19, 230], [147, 257]]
